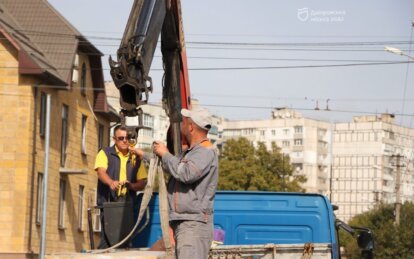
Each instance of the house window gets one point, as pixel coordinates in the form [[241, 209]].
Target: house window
[[96, 218], [83, 134], [64, 136], [42, 114], [80, 206], [100, 136], [39, 209], [75, 74], [62, 204], [83, 79]]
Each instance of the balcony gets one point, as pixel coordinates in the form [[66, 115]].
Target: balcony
[[298, 135], [297, 148]]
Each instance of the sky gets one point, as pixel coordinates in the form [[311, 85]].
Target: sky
[[246, 57]]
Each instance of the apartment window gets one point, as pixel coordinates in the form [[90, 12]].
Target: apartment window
[[298, 129], [39, 207], [146, 132], [148, 120], [321, 133], [286, 143], [286, 132], [298, 142], [273, 132], [262, 133], [83, 134], [249, 131], [297, 167], [231, 132], [62, 204], [42, 114], [101, 130], [83, 79], [64, 136], [80, 206]]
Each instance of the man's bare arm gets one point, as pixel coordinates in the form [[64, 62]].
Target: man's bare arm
[[104, 177]]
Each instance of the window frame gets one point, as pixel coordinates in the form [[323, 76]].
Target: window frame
[[62, 204], [83, 79], [42, 119], [40, 198], [81, 205], [84, 131], [64, 134]]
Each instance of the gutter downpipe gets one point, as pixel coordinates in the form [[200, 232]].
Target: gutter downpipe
[[45, 181]]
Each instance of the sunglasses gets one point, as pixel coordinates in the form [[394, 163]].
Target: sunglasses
[[122, 138]]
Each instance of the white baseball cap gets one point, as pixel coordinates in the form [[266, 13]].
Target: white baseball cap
[[199, 116]]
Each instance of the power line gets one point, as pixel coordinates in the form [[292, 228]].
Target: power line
[[347, 43], [302, 109], [86, 32], [240, 58], [241, 106], [237, 68]]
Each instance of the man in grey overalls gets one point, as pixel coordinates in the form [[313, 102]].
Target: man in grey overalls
[[192, 185]]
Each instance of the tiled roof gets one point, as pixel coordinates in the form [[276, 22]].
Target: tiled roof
[[46, 42]]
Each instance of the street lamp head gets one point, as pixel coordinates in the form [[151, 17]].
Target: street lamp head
[[394, 50]]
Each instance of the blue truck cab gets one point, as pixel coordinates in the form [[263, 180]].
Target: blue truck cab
[[257, 218]]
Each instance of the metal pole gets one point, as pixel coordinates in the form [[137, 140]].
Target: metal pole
[[45, 180], [397, 192], [331, 126]]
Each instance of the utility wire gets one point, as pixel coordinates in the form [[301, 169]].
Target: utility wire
[[301, 109], [268, 107], [85, 34], [237, 68], [345, 43]]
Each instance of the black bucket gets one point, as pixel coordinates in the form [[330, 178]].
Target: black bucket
[[118, 221]]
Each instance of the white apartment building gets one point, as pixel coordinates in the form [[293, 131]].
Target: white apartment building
[[306, 141], [365, 164]]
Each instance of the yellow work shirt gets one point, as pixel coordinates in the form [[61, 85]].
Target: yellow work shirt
[[102, 161]]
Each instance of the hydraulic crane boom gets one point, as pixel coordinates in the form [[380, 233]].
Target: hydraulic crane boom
[[148, 19]]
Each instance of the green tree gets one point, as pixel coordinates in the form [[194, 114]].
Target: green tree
[[238, 167], [390, 240], [244, 167]]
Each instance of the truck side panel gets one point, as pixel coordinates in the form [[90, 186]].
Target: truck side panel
[[262, 218]]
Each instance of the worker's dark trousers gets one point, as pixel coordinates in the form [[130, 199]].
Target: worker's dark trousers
[[193, 239]]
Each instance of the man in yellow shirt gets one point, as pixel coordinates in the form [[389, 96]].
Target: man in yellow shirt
[[121, 174]]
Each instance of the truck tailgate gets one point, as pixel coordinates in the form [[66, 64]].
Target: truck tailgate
[[272, 251]]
